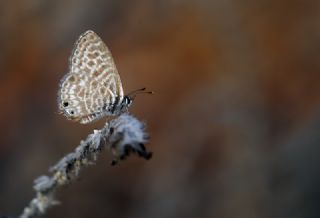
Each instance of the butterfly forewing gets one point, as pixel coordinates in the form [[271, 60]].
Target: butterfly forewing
[[92, 88]]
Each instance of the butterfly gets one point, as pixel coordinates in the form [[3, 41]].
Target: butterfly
[[92, 88]]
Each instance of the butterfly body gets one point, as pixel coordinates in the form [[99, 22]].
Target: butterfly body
[[92, 88]]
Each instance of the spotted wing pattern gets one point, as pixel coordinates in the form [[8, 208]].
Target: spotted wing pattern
[[92, 88]]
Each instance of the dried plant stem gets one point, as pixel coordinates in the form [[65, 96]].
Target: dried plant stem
[[122, 135]]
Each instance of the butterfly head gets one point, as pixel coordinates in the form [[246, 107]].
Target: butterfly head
[[128, 99]]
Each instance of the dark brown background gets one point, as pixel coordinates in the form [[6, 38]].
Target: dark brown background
[[234, 122]]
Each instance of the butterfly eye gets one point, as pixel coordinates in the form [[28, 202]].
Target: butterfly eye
[[72, 112], [127, 100], [65, 104]]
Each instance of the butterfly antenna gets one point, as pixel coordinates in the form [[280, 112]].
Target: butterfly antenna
[[139, 91]]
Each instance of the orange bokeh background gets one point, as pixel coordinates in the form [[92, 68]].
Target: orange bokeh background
[[234, 120]]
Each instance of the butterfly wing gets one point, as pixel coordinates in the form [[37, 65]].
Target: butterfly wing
[[93, 84]]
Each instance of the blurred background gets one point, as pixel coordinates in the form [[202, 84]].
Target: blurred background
[[234, 122]]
